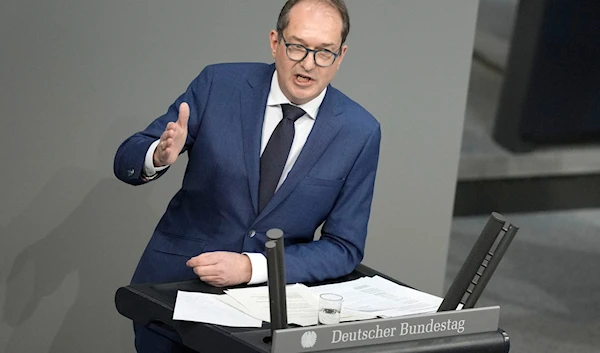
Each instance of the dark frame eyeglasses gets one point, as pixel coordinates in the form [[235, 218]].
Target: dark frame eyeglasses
[[324, 55]]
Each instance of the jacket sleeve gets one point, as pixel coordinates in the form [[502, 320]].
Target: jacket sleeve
[[129, 159], [341, 246]]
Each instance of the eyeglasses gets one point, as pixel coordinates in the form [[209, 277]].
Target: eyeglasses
[[297, 52]]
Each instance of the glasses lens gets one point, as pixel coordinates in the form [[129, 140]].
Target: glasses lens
[[296, 52], [324, 58]]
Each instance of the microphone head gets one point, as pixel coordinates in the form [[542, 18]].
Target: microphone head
[[498, 217], [275, 234]]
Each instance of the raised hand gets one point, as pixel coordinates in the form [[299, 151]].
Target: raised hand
[[173, 138], [222, 268]]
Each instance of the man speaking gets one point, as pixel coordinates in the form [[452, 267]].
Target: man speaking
[[269, 146]]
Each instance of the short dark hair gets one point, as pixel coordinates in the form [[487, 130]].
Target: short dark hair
[[339, 5]]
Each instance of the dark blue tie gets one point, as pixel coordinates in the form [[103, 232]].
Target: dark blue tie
[[276, 153]]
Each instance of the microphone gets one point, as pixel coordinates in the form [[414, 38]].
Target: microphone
[[276, 279]]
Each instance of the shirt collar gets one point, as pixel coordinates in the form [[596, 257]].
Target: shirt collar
[[276, 97]]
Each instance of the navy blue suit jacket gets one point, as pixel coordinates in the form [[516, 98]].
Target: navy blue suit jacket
[[217, 206]]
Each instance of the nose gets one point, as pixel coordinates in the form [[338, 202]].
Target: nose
[[309, 62]]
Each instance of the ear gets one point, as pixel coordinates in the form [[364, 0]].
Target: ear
[[274, 41], [342, 56]]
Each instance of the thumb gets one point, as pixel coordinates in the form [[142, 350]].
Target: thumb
[[184, 115]]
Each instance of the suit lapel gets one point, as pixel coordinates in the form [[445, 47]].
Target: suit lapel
[[253, 104], [326, 127]]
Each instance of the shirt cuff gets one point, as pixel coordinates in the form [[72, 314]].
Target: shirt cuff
[[150, 170], [258, 262]]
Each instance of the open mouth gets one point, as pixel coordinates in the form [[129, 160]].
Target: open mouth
[[303, 79]]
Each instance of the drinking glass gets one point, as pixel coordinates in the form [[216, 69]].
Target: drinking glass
[[330, 307]]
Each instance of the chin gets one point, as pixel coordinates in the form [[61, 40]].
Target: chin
[[303, 96]]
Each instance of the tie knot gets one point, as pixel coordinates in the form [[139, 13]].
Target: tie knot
[[292, 112]]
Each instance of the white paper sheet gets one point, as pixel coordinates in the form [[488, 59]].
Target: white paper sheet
[[351, 315], [358, 295], [381, 297], [410, 301], [302, 305], [229, 300], [202, 307], [364, 298]]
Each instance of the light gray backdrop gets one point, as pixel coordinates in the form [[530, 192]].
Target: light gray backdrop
[[79, 76]]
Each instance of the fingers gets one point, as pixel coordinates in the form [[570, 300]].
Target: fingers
[[208, 267], [206, 259], [167, 139], [221, 268], [166, 136], [174, 135], [171, 126], [184, 115], [210, 270]]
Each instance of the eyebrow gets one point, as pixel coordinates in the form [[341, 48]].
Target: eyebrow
[[320, 46]]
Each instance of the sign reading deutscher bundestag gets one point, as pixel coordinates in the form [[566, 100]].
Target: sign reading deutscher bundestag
[[379, 331]]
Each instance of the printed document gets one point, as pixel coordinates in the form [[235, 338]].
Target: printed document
[[202, 307], [364, 298], [381, 297], [302, 305]]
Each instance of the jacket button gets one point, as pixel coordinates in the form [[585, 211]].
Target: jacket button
[[252, 233]]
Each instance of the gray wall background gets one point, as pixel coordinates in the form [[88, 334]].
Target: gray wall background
[[78, 77]]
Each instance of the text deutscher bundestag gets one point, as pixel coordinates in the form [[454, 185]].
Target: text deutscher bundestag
[[404, 329]]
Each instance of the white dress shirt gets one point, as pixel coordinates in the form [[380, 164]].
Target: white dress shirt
[[273, 115]]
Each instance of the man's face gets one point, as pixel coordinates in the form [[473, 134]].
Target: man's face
[[315, 26]]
